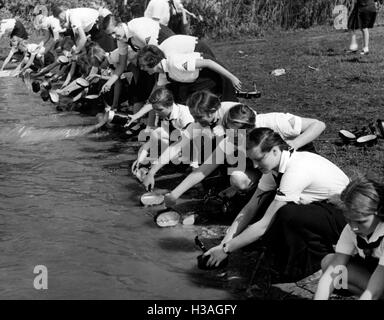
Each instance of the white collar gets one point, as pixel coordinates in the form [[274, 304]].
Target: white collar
[[284, 160], [67, 20], [174, 113], [164, 65]]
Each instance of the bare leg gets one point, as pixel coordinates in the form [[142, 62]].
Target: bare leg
[[366, 40], [358, 276], [353, 46]]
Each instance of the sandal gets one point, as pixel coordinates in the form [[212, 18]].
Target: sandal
[[350, 137], [367, 141], [248, 95]]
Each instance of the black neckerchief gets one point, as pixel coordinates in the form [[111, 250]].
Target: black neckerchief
[[213, 124], [368, 247]]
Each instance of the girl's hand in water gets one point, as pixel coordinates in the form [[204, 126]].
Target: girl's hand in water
[[106, 88], [216, 254], [149, 182], [135, 167], [131, 121], [170, 200]]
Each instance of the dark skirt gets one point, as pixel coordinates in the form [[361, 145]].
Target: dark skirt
[[164, 33], [301, 236], [19, 31], [207, 80], [204, 49], [140, 87], [104, 40], [362, 17], [38, 63]]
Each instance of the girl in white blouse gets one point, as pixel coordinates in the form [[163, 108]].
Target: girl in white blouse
[[358, 264]]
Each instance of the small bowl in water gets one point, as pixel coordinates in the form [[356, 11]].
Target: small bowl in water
[[151, 199], [92, 96], [82, 83], [54, 96], [63, 60], [167, 218]]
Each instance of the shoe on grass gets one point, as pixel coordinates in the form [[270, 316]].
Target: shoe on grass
[[365, 51]]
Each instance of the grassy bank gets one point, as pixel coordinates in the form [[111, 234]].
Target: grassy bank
[[346, 91]]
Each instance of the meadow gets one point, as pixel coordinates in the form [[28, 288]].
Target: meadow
[[322, 81]]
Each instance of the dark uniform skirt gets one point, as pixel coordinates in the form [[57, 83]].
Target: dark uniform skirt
[[164, 33], [301, 236], [207, 80], [140, 87], [19, 31], [104, 40], [38, 63], [363, 15]]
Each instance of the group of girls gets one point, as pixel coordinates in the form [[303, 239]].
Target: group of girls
[[175, 87]]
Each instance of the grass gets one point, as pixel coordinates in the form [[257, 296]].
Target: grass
[[347, 90]]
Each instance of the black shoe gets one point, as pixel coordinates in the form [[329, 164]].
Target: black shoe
[[380, 127], [367, 141], [350, 137], [347, 137], [248, 95]]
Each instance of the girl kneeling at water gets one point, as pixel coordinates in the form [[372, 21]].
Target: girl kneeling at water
[[359, 257], [174, 117], [17, 34], [290, 208], [208, 127], [36, 56], [134, 85]]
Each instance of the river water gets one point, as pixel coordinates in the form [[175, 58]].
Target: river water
[[71, 206]]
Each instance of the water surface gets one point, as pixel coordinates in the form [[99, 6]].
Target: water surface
[[67, 202]]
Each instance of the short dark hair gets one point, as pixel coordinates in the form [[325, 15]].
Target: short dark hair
[[202, 103], [57, 9], [265, 139], [162, 96], [150, 56], [107, 20]]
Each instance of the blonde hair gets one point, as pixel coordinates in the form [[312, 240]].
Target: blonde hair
[[96, 54], [363, 197]]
